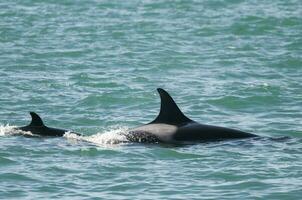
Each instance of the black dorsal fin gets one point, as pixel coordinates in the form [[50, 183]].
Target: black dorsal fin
[[36, 120], [169, 111]]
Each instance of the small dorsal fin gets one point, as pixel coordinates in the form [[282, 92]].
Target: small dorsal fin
[[169, 111], [36, 120]]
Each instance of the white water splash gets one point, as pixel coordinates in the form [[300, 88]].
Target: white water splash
[[6, 129], [110, 137], [12, 130]]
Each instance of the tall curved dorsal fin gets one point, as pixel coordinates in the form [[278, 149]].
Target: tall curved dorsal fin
[[35, 120], [169, 111]]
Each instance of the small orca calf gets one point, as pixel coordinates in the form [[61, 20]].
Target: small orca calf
[[172, 126], [37, 127]]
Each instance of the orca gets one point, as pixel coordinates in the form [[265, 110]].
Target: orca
[[37, 128], [172, 126]]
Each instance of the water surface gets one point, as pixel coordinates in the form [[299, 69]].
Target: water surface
[[93, 67]]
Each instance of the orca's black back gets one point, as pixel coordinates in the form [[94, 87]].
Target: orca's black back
[[44, 131], [200, 132]]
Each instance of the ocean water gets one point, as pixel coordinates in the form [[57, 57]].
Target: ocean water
[[93, 67]]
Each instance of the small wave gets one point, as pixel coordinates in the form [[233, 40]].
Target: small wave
[[109, 137], [12, 130], [6, 129]]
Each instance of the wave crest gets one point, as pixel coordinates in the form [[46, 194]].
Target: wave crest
[[12, 130], [109, 137]]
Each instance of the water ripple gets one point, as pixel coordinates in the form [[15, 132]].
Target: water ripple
[[93, 67]]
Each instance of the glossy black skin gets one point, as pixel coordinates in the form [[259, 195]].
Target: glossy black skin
[[37, 128], [172, 126], [194, 131], [44, 131], [186, 133]]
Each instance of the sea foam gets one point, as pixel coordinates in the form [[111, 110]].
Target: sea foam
[[108, 137]]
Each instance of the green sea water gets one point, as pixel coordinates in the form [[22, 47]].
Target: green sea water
[[93, 67]]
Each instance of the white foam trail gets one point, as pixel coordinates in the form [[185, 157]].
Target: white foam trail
[[6, 129], [110, 137], [12, 130]]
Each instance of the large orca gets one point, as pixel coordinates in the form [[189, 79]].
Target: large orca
[[37, 128], [172, 126]]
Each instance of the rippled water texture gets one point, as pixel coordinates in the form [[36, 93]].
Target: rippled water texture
[[93, 67]]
